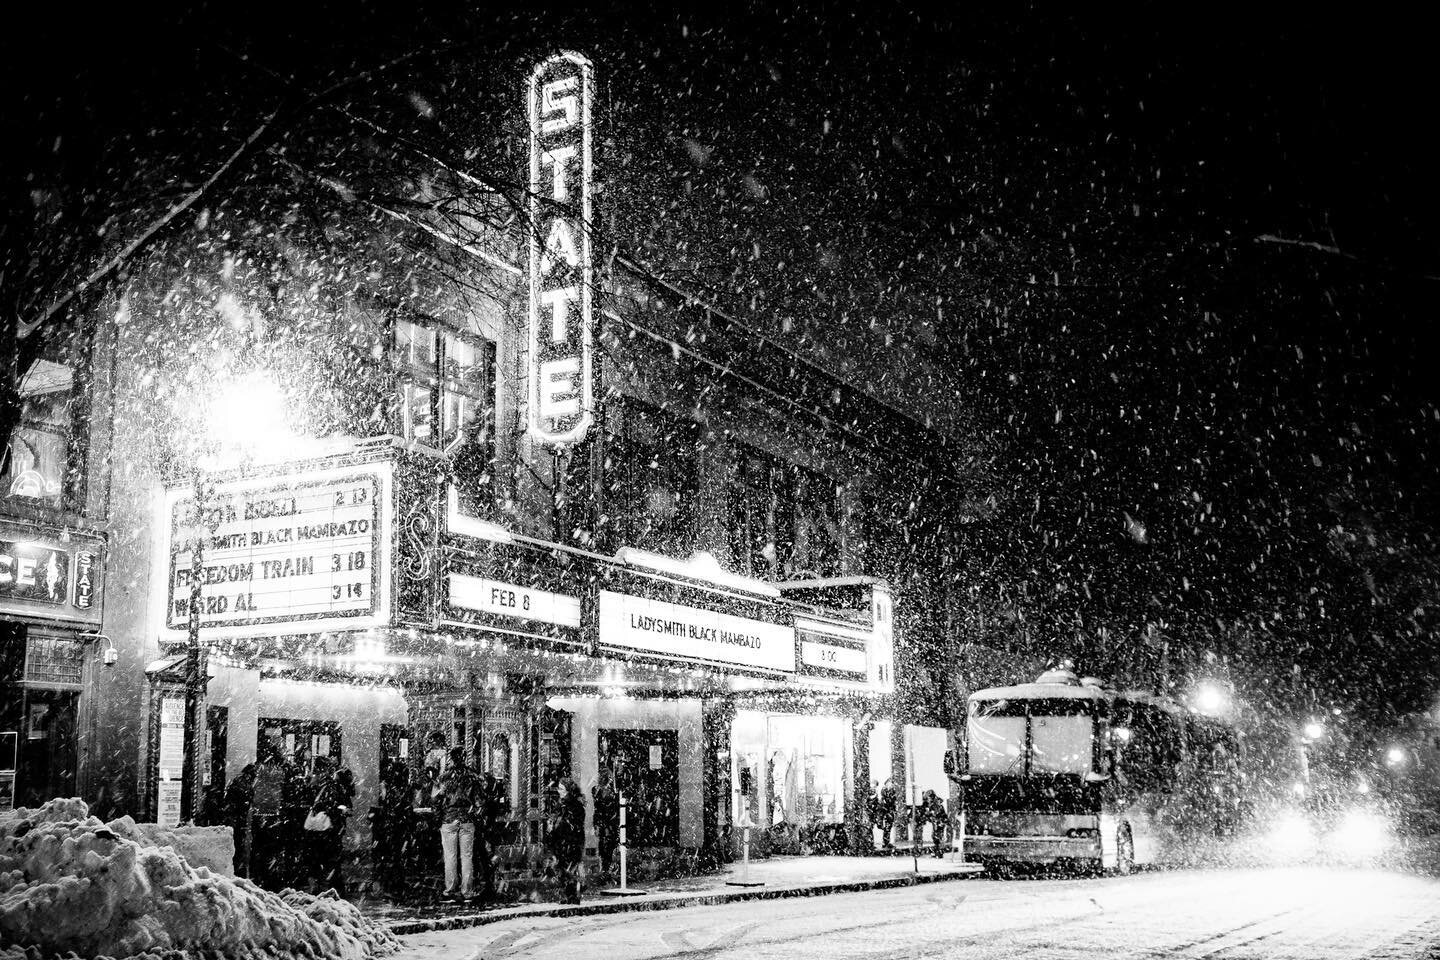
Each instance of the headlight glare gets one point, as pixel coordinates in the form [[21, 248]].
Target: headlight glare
[[1361, 833], [1291, 835]]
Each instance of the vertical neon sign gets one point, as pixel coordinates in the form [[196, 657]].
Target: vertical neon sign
[[560, 401]]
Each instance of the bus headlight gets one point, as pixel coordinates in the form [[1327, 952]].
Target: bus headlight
[[1361, 833], [1291, 835]]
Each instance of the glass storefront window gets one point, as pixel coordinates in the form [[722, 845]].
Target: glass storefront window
[[925, 762], [790, 769], [747, 750]]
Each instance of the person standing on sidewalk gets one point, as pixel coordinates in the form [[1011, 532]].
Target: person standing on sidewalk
[[334, 795], [269, 837], [606, 817], [885, 809], [494, 809], [457, 794], [239, 796], [932, 811], [392, 825], [566, 840]]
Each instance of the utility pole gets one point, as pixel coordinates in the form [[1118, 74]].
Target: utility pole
[[195, 665]]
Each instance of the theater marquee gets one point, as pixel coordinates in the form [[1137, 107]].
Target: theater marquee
[[674, 632], [561, 280], [308, 548]]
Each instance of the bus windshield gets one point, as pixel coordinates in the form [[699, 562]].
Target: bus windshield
[[1024, 737]]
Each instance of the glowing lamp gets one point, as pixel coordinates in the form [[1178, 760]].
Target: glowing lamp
[[1211, 699]]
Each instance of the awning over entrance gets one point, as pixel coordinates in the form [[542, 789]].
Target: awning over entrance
[[166, 668]]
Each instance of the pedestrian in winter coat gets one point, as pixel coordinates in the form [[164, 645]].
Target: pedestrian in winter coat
[[493, 810], [457, 794], [297, 797], [334, 795], [932, 811], [239, 797], [392, 824], [566, 840], [606, 818], [885, 806], [269, 832]]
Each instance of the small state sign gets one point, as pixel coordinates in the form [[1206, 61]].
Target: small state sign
[[84, 579]]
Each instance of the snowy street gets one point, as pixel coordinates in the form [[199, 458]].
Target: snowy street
[[1307, 913]]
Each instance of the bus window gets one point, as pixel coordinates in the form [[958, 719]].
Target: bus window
[[996, 736], [1061, 736], [1153, 750]]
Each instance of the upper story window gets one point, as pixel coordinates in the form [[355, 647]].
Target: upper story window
[[447, 388], [786, 522], [652, 477], [44, 462]]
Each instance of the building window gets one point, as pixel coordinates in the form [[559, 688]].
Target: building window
[[794, 768], [45, 458], [447, 388], [786, 522], [819, 525], [652, 478]]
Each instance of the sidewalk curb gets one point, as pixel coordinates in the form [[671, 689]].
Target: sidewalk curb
[[405, 927]]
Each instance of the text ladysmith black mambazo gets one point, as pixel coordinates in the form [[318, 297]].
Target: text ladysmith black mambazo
[[678, 628]]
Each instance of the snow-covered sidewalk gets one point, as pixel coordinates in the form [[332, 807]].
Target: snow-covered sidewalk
[[777, 877]]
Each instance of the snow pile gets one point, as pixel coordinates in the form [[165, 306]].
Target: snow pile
[[210, 847], [71, 883]]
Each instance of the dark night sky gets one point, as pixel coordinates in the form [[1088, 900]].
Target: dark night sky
[[1057, 216]]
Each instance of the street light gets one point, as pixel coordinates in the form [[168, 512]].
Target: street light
[[245, 419], [1395, 756], [1210, 698], [1314, 730]]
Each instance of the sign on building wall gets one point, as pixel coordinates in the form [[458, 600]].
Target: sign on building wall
[[308, 548], [687, 633], [561, 281], [50, 573], [833, 651], [171, 757], [34, 572], [513, 601]]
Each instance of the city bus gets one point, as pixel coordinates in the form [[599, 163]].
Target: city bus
[[1067, 772]]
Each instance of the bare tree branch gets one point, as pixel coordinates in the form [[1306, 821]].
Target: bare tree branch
[[26, 327], [125, 252], [1325, 248]]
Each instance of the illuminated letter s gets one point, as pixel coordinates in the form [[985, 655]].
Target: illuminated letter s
[[550, 102]]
